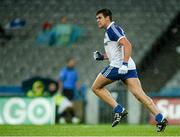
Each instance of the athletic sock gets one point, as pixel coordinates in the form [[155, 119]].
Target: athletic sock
[[118, 109], [159, 118]]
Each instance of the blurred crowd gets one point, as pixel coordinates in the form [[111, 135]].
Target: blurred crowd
[[5, 31], [63, 33]]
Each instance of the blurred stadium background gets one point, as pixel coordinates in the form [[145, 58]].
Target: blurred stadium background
[[152, 26]]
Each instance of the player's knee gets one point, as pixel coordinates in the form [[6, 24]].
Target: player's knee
[[94, 88]]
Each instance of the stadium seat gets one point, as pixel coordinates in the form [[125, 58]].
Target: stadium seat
[[143, 21]]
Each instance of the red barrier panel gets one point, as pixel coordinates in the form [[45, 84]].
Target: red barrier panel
[[170, 108]]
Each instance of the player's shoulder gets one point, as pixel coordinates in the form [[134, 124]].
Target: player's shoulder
[[113, 25], [114, 28]]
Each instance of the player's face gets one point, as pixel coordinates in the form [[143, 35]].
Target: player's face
[[101, 20]]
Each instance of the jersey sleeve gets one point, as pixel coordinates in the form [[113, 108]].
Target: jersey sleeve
[[115, 33]]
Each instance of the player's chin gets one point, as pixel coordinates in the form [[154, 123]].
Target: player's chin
[[101, 27]]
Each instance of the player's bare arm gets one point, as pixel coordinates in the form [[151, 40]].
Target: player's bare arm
[[127, 48], [105, 56]]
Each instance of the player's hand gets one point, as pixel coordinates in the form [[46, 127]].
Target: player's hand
[[123, 69], [98, 56]]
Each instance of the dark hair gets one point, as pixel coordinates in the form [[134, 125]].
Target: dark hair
[[105, 12], [70, 58]]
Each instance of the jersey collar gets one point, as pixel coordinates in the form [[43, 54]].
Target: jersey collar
[[110, 24]]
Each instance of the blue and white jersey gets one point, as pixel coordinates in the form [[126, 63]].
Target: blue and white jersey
[[114, 51]]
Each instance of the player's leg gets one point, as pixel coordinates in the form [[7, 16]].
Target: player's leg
[[135, 87], [98, 88], [107, 76], [101, 92]]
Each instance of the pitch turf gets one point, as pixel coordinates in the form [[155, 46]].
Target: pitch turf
[[86, 130]]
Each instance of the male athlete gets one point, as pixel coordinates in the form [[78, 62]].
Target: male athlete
[[122, 67]]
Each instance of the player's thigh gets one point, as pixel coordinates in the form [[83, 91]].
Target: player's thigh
[[134, 85], [100, 82]]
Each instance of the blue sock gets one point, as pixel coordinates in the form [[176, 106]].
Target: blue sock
[[118, 109], [159, 118]]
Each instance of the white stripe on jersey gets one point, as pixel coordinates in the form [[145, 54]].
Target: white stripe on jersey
[[116, 31], [108, 71]]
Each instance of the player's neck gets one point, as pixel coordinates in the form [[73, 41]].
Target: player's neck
[[109, 23]]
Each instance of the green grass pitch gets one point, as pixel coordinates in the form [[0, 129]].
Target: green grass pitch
[[86, 130]]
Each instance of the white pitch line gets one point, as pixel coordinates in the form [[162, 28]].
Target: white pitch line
[[88, 136]]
